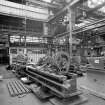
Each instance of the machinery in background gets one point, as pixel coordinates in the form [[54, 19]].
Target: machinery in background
[[19, 65], [96, 63]]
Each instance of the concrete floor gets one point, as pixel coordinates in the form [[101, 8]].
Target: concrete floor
[[30, 99], [6, 99]]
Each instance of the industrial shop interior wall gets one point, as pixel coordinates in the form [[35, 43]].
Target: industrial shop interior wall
[[4, 56], [52, 52]]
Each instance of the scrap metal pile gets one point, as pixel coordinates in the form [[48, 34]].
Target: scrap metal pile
[[53, 74]]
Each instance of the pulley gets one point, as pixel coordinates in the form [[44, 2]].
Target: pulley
[[62, 60]]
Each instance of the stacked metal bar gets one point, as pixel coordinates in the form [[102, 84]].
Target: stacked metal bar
[[16, 88]]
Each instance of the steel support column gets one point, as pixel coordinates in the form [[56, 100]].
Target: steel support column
[[45, 29], [71, 16]]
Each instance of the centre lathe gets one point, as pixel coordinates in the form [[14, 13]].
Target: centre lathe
[[53, 73]]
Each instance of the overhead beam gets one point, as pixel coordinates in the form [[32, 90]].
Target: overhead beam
[[17, 32], [64, 9], [94, 15], [23, 11], [85, 28], [43, 4]]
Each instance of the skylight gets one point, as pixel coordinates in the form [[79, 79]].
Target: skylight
[[49, 1], [94, 3], [102, 9]]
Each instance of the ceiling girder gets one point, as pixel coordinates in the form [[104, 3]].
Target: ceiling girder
[[64, 9], [22, 33], [44, 4]]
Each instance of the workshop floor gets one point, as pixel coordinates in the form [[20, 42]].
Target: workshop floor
[[30, 99]]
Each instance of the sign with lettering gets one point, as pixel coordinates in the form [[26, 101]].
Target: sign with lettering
[[96, 61]]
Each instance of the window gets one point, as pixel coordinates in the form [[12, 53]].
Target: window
[[14, 39], [49, 1], [94, 3]]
